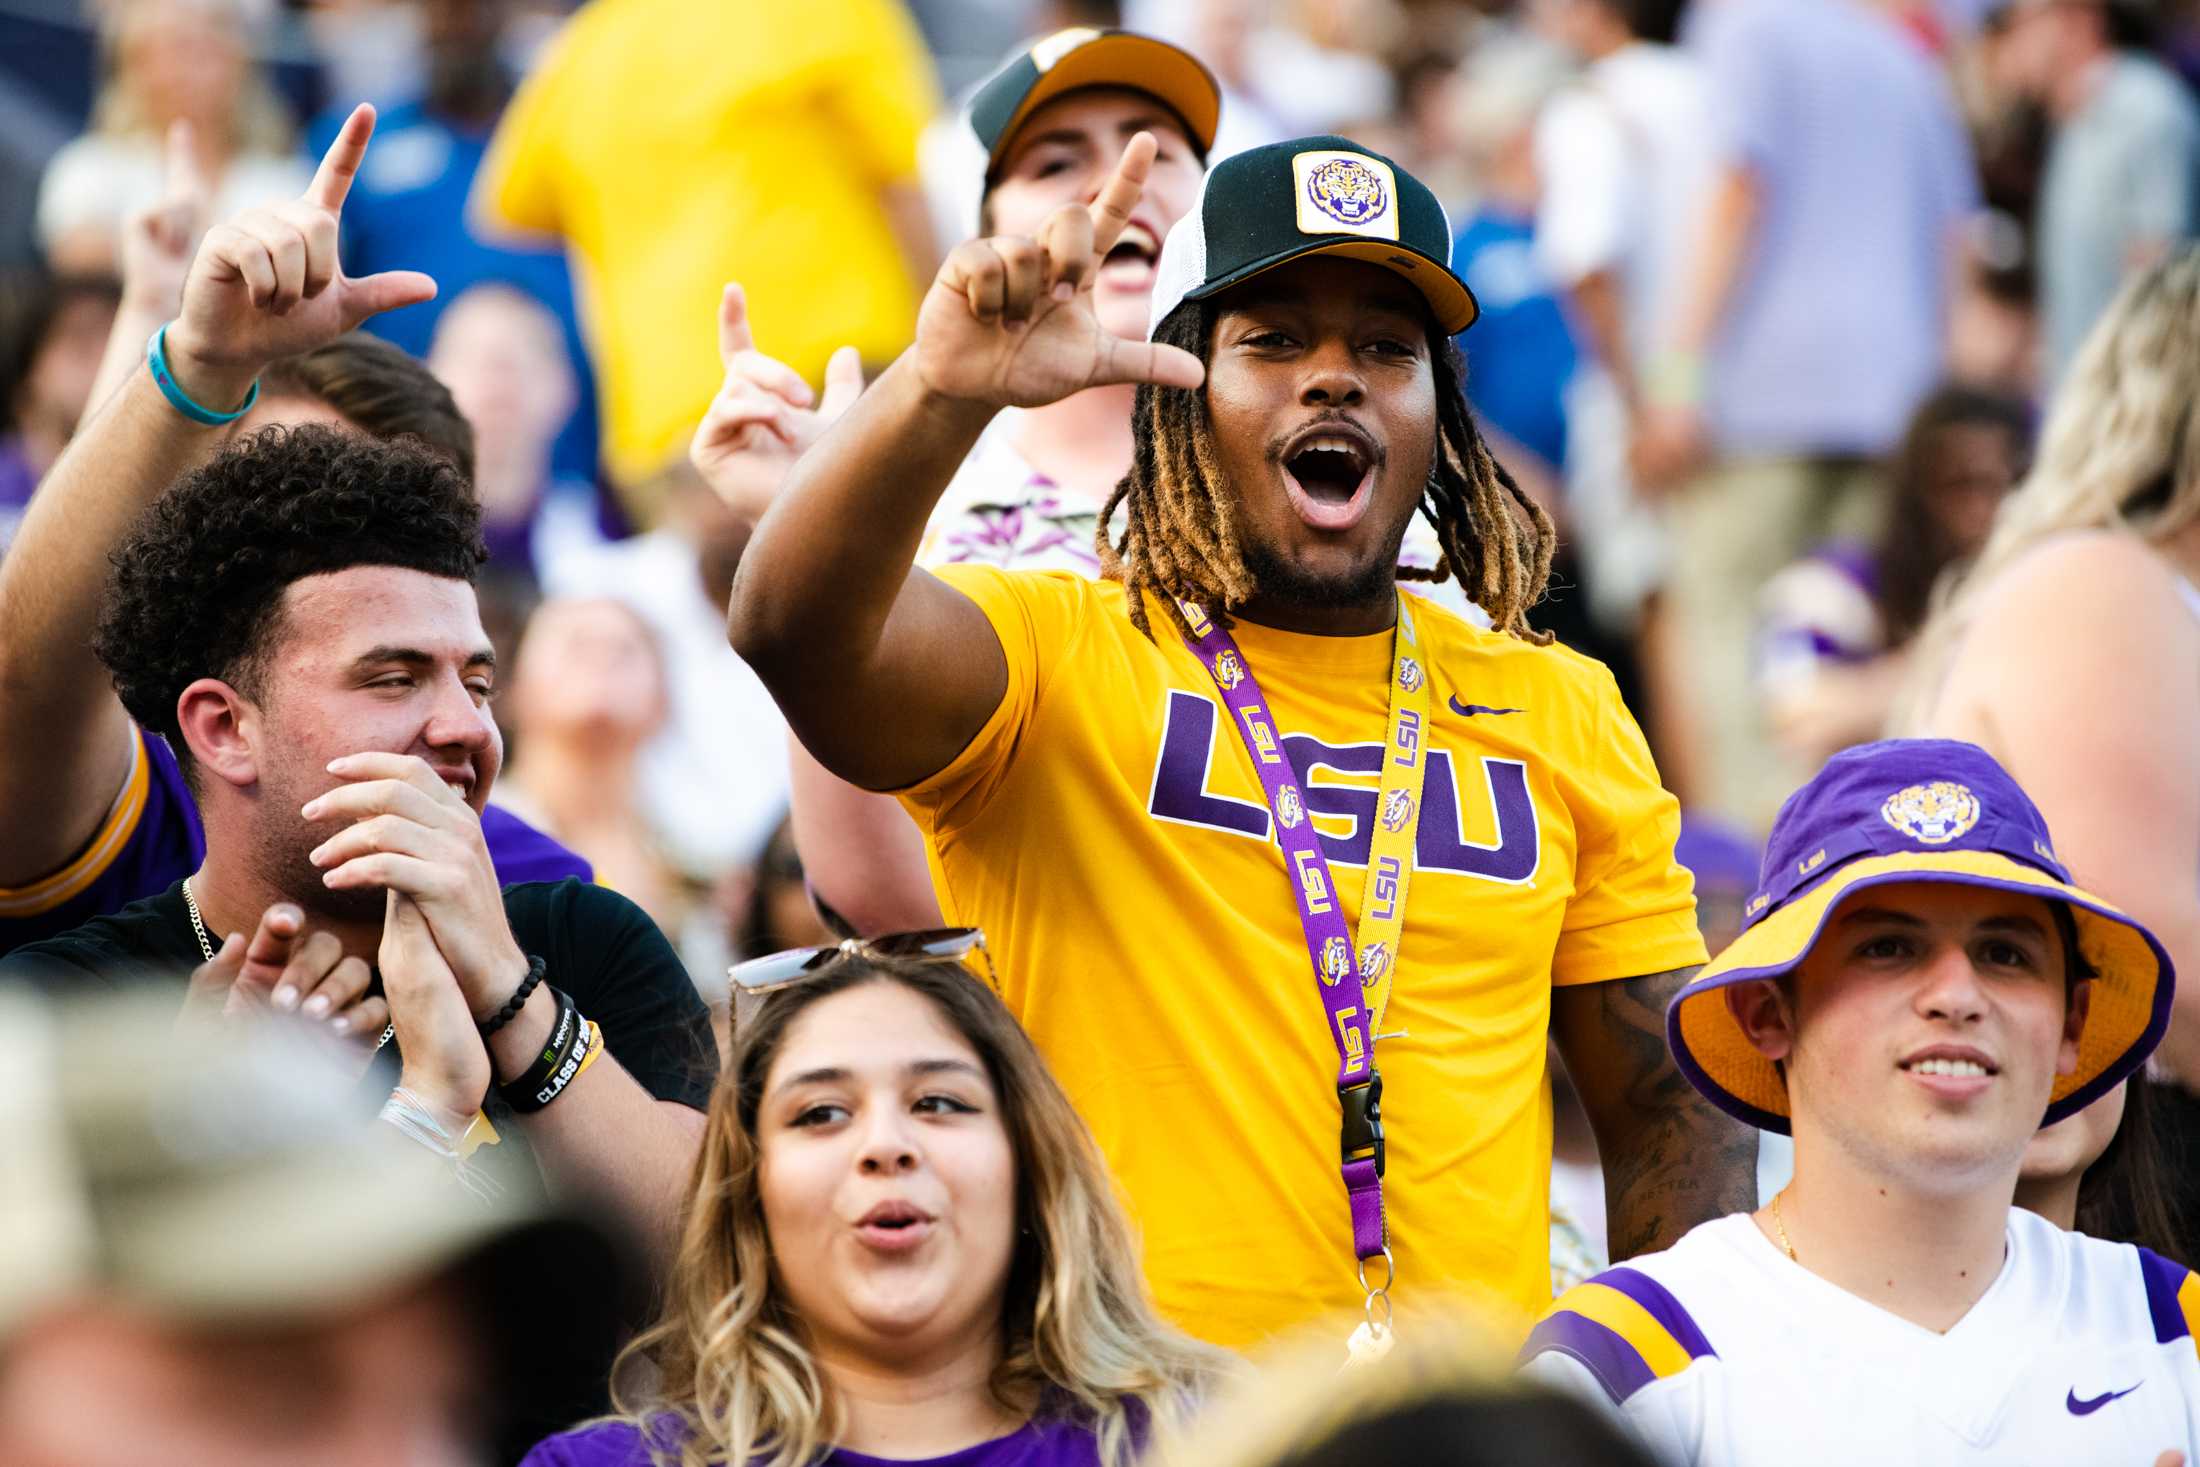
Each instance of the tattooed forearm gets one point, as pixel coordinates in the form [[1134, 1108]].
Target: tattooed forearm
[[1671, 1159]]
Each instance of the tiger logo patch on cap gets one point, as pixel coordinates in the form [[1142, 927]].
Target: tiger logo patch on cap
[[1345, 193], [1932, 814]]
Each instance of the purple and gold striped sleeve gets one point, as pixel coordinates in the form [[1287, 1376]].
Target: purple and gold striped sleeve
[[2173, 1298], [1623, 1327]]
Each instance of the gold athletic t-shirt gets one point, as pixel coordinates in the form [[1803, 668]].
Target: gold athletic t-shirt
[[1106, 830]]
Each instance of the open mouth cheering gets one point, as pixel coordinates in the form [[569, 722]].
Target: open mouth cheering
[[1329, 468]]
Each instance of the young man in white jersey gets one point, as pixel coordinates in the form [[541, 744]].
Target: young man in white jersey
[[1919, 989], [1154, 873]]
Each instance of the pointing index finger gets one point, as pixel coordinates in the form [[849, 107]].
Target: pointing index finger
[[271, 941], [182, 180], [734, 337], [1124, 188], [340, 164]]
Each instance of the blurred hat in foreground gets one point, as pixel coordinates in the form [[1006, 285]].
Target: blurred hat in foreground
[[215, 1177]]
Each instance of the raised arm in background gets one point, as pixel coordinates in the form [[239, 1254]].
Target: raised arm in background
[[884, 671], [266, 284], [862, 856]]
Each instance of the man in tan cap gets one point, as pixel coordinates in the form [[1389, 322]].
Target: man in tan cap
[[212, 1257]]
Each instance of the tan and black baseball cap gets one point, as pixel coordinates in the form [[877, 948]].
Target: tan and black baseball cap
[[1080, 57], [223, 1178], [1271, 205]]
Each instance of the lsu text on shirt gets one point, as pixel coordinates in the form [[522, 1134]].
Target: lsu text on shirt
[[1721, 1350], [1106, 829]]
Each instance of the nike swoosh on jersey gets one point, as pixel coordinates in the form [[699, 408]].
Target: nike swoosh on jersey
[[2087, 1408], [1468, 710]]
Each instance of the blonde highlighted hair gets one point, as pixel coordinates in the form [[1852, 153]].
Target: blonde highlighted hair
[[730, 1378], [258, 122], [2120, 451]]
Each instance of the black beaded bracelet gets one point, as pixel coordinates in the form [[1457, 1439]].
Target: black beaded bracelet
[[536, 969], [561, 1059]]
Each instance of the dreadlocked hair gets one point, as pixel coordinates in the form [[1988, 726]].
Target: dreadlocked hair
[[1179, 537]]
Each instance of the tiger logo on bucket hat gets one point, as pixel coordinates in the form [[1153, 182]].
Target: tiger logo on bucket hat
[[1907, 810]]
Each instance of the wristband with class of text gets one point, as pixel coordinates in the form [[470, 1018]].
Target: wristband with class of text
[[156, 358], [536, 968], [587, 1044], [561, 1059]]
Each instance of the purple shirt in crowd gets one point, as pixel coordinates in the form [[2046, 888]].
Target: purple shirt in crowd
[[1853, 136], [16, 483], [1035, 1444], [153, 837]]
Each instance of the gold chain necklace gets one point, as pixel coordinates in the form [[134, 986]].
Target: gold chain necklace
[[1781, 1227], [206, 945]]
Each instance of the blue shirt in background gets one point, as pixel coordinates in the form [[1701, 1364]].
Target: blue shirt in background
[[407, 211], [1521, 354]]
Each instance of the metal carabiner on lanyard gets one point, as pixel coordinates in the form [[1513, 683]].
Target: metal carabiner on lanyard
[[1374, 1337]]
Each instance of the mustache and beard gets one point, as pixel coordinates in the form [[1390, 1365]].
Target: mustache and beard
[[283, 845], [1283, 579]]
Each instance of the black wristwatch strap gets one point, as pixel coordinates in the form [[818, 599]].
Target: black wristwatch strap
[[536, 970]]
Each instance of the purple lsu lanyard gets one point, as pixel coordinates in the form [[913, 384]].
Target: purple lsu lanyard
[[1328, 941]]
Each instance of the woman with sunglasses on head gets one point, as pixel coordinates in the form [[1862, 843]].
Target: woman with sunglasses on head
[[902, 1246]]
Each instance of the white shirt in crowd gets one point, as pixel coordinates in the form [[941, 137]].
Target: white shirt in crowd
[[714, 783], [1721, 1350], [1625, 156], [95, 183]]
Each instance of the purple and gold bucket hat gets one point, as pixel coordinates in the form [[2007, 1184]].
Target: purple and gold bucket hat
[[1912, 810]]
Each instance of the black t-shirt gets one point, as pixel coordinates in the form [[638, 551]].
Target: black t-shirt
[[599, 948]]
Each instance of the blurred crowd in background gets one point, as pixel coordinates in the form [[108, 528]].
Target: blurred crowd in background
[[1774, 292], [1772, 289], [1774, 296]]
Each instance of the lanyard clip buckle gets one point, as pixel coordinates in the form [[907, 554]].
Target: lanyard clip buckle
[[1363, 1121]]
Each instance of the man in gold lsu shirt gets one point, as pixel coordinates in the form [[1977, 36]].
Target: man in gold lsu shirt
[[1291, 878]]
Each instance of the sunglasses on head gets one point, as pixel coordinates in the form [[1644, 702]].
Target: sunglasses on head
[[769, 974]]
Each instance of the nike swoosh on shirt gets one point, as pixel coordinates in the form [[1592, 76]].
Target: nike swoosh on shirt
[[1468, 710], [2087, 1408]]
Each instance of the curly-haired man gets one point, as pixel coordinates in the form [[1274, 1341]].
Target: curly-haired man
[[98, 812], [297, 618]]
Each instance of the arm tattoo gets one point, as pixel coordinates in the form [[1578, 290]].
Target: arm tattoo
[[1671, 1159]]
